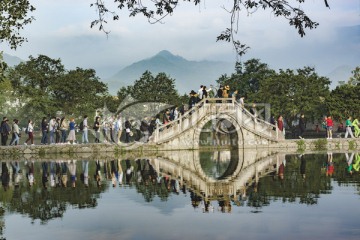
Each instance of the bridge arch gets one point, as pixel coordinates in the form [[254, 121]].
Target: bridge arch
[[217, 117]]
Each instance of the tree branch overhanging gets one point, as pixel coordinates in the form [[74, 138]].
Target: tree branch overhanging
[[157, 10]]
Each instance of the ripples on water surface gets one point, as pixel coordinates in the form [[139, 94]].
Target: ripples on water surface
[[213, 196]]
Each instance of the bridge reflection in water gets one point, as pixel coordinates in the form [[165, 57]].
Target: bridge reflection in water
[[219, 174]]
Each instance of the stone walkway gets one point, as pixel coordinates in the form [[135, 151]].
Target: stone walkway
[[102, 149]]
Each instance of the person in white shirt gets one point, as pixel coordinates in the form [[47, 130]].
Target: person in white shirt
[[176, 113], [52, 130], [85, 130], [118, 129], [29, 130], [200, 92]]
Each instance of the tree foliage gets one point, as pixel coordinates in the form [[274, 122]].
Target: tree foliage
[[13, 18], [355, 78], [147, 88], [292, 93], [157, 10], [345, 101], [46, 87], [33, 81], [247, 78], [288, 92], [78, 91], [3, 67]]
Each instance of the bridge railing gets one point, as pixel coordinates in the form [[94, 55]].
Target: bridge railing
[[182, 123], [216, 105], [259, 125]]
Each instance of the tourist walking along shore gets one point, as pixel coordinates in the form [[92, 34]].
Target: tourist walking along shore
[[348, 125]]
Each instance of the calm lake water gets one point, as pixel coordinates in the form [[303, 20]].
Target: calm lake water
[[212, 195]]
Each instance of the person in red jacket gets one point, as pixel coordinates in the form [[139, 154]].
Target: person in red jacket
[[329, 127], [280, 123]]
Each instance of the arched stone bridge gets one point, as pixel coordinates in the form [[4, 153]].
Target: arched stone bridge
[[244, 169], [184, 132]]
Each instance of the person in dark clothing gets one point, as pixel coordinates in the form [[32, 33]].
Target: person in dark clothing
[[205, 92], [5, 175], [129, 171], [302, 166], [127, 131], [97, 174], [219, 94], [253, 110], [44, 130], [44, 174], [96, 128], [273, 122], [193, 99], [152, 126], [5, 131], [144, 128], [301, 126]]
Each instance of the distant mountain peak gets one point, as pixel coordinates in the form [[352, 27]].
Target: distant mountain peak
[[188, 74], [165, 53], [11, 60], [168, 55]]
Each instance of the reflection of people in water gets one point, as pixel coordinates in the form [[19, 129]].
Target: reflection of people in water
[[129, 171], [330, 165], [114, 172], [166, 179], [145, 171], [281, 170], [195, 199], [138, 173], [241, 199], [16, 173], [302, 166], [5, 175], [121, 173], [356, 164], [64, 177], [207, 206], [97, 174], [52, 173], [84, 176], [106, 167], [72, 170], [44, 177], [349, 161], [225, 206], [175, 185], [58, 174], [30, 173]]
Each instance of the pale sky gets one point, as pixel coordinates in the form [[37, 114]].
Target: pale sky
[[62, 30]]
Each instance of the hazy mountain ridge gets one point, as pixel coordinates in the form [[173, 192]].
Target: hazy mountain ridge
[[11, 60], [188, 75], [340, 74]]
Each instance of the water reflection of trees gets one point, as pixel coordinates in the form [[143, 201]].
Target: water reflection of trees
[[303, 179], [41, 202], [298, 186]]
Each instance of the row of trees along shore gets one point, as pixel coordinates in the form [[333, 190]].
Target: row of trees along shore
[[42, 86]]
